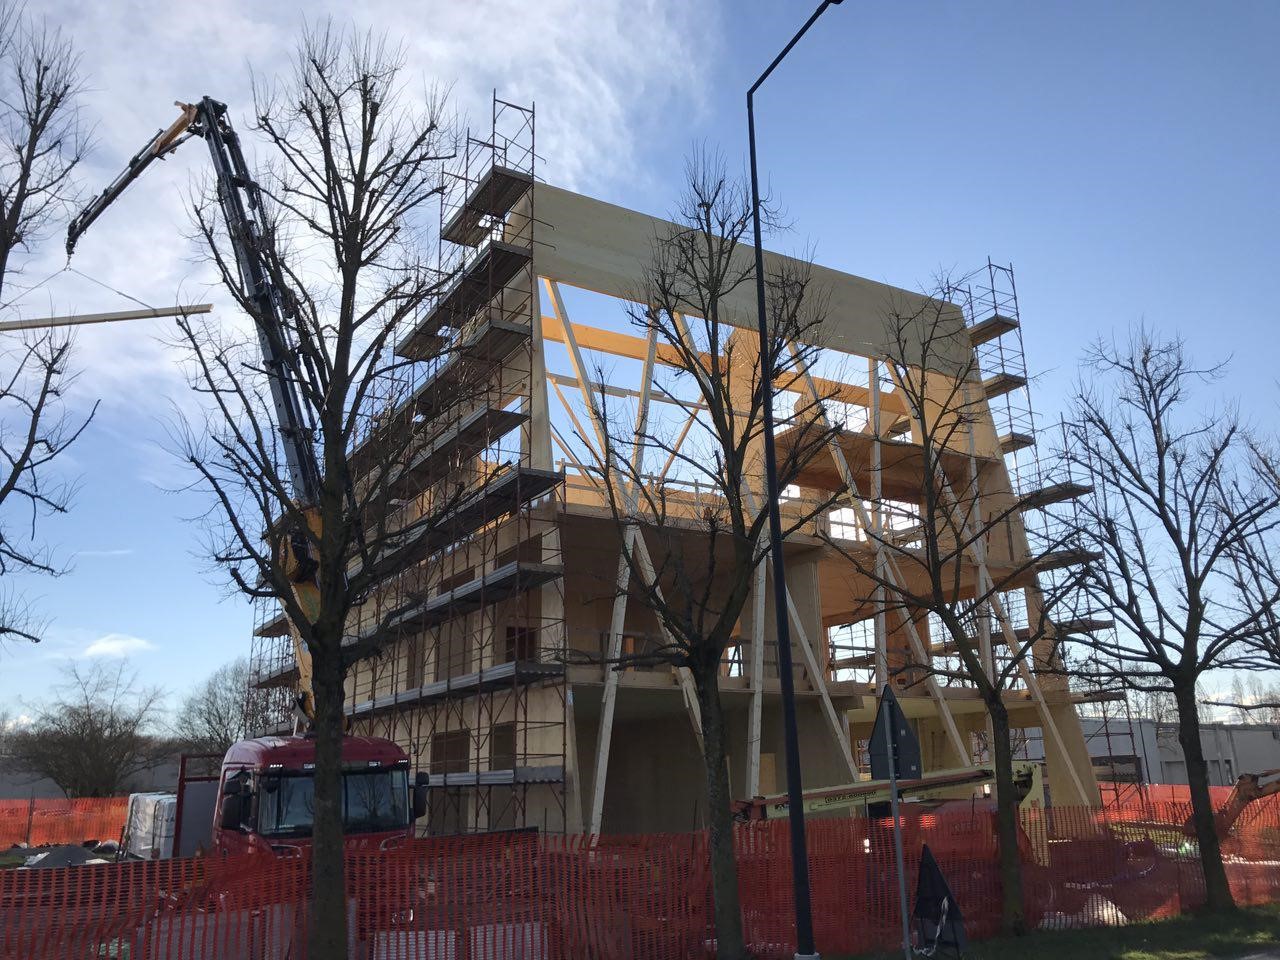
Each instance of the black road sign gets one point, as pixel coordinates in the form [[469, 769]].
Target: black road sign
[[905, 763]]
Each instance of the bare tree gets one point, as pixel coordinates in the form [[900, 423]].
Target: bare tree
[[43, 137], [944, 547], [94, 737], [1155, 705], [351, 167], [42, 140], [221, 710], [693, 538], [1176, 504]]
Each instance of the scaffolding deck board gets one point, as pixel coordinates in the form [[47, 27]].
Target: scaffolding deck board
[[996, 325], [468, 684], [1013, 442], [282, 676], [492, 343], [1058, 559], [1053, 493], [546, 773], [1084, 625], [277, 626], [509, 580], [998, 384], [501, 495], [475, 285], [493, 196], [462, 440]]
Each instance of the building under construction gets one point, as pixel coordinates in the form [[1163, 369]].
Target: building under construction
[[495, 674]]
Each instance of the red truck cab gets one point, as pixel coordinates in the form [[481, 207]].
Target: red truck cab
[[266, 795]]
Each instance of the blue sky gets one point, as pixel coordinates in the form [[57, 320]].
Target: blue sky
[[1121, 156]]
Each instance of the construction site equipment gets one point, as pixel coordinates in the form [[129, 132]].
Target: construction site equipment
[[932, 788], [1248, 788], [267, 795], [242, 207], [262, 776], [149, 826], [79, 319]]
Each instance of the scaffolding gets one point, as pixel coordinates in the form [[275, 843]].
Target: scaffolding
[[989, 299], [467, 619]]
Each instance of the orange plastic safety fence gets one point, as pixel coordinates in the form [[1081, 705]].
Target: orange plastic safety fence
[[525, 895], [36, 822]]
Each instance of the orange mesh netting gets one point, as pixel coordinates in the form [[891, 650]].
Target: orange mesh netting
[[506, 895], [36, 822]]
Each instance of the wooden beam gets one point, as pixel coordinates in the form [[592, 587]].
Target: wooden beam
[[633, 348], [77, 319]]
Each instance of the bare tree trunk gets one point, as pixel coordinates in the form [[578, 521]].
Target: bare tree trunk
[[328, 890], [1217, 891], [1013, 917], [724, 865]]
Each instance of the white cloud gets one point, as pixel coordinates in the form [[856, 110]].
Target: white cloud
[[116, 645], [607, 77]]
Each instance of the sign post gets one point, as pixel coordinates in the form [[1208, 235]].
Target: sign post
[[895, 754]]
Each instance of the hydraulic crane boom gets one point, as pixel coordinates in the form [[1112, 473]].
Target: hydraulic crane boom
[[242, 208]]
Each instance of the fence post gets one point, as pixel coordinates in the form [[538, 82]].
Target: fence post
[[31, 815]]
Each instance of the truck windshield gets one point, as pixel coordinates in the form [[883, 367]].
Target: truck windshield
[[373, 801]]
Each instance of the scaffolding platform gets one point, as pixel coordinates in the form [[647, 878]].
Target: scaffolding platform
[[283, 675], [1084, 625], [1058, 559], [466, 685], [492, 343], [496, 265], [547, 773], [1013, 442], [277, 626], [492, 198], [996, 325], [1053, 493], [510, 490], [464, 439], [495, 586], [999, 384]]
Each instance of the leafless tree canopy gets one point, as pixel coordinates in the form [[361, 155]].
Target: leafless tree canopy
[[43, 136], [692, 484], [42, 139], [94, 736], [221, 710], [1177, 506], [349, 172], [928, 550], [352, 164], [955, 557], [1251, 701], [711, 472], [1179, 518]]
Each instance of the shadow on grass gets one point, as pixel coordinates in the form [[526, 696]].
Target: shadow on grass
[[1252, 930]]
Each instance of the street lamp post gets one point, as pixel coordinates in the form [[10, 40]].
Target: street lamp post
[[795, 799]]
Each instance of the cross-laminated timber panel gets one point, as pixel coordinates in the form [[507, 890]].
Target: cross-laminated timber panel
[[602, 247]]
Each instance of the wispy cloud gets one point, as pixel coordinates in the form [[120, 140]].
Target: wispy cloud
[[123, 552], [116, 645], [607, 77]]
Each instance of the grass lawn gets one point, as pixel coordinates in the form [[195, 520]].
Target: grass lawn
[[1252, 930]]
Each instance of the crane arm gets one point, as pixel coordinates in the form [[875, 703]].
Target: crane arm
[[1249, 787], [241, 201], [163, 143]]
